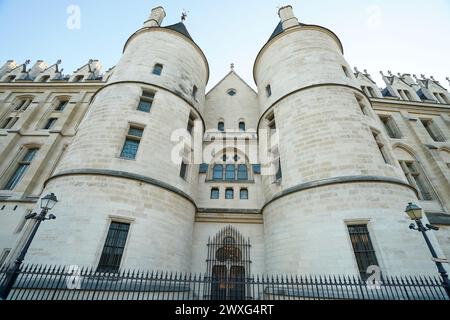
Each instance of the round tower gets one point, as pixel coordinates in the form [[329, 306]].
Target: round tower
[[337, 169], [119, 167]]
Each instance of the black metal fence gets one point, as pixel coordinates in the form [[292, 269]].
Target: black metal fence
[[72, 283]]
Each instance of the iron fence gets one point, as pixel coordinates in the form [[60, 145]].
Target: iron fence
[[37, 282]]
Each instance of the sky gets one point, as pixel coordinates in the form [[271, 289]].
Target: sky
[[403, 36]]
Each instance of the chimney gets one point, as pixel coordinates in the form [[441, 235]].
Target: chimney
[[287, 17], [156, 17]]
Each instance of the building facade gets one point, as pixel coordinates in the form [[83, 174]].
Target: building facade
[[310, 174]]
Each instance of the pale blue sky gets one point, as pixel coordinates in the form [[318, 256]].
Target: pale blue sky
[[408, 36]]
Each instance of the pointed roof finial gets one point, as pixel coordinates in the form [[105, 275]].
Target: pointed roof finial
[[356, 69], [232, 66], [365, 71], [183, 15], [422, 75], [390, 73]]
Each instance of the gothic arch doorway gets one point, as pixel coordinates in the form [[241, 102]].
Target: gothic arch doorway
[[228, 265]]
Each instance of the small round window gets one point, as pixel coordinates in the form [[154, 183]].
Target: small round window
[[231, 92]]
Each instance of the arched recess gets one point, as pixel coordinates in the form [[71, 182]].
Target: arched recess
[[228, 265]]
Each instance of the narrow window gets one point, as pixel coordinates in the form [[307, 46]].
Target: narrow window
[[21, 168], [390, 127], [10, 78], [194, 92], [230, 172], [271, 121], [433, 130], [347, 74], [146, 101], [417, 179], [114, 246], [23, 104], [157, 69], [229, 193], [4, 256], [215, 193], [243, 194], [191, 123], [268, 90], [183, 170], [50, 123], [444, 98], [242, 126], [242, 172], [438, 98], [362, 248], [61, 105], [381, 146], [221, 126], [9, 123], [408, 95], [131, 144], [402, 94], [279, 173], [371, 92]]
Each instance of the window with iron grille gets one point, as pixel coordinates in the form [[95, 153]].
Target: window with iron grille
[[21, 168], [362, 247], [416, 178], [433, 130], [146, 101], [391, 127], [131, 144], [114, 246]]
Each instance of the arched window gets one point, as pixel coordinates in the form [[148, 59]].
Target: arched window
[[242, 172], [242, 126], [218, 172], [221, 126], [230, 172], [228, 265]]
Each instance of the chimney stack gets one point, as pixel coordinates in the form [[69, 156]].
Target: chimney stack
[[156, 17], [287, 17]]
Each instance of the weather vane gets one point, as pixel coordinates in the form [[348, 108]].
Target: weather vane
[[183, 15], [232, 66]]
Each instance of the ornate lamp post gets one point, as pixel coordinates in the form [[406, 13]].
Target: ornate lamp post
[[47, 203], [415, 213]]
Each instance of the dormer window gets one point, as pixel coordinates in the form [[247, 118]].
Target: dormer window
[[347, 74], [78, 79], [157, 69], [10, 78], [45, 79]]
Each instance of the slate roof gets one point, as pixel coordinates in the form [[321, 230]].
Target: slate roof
[[180, 28]]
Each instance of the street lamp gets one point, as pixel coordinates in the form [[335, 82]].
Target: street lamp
[[47, 203], [415, 213]]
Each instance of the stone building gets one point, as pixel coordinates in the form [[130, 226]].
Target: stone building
[[310, 174]]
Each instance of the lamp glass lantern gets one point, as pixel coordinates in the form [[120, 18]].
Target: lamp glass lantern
[[413, 211], [49, 201]]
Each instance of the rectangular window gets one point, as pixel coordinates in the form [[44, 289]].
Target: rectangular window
[[417, 179], [157, 69], [114, 246], [347, 74], [4, 256], [183, 170], [20, 170], [279, 173], [244, 194], [433, 130], [215, 193], [229, 193], [390, 127], [61, 105], [50, 123], [23, 104], [242, 126], [381, 146], [194, 92], [146, 101], [362, 248], [131, 144], [191, 123]]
